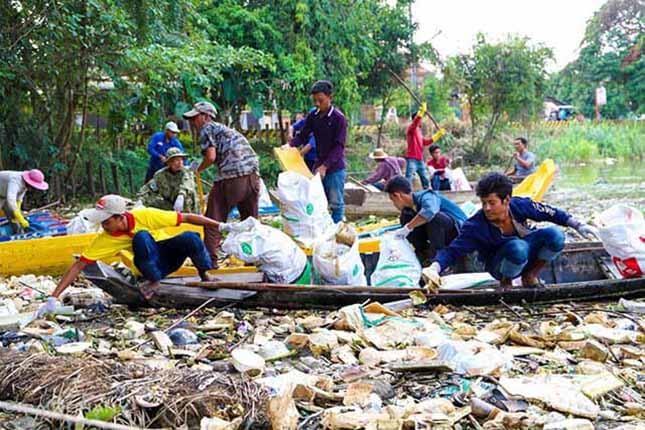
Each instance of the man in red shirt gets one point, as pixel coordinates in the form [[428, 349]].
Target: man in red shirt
[[439, 164], [416, 142]]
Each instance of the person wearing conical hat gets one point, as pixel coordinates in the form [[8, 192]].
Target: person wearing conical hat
[[13, 187], [386, 168], [172, 187]]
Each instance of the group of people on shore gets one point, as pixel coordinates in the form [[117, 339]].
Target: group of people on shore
[[437, 228]]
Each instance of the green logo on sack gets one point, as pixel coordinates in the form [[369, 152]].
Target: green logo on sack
[[247, 248], [356, 270], [309, 208]]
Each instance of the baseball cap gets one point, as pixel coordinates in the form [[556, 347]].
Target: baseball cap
[[107, 206], [201, 107], [171, 126]]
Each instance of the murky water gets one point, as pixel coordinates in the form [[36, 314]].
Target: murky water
[[585, 189]]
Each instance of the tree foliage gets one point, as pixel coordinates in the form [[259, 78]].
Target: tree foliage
[[611, 54], [139, 63], [502, 81]]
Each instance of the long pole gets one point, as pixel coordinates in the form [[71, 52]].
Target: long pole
[[414, 96]]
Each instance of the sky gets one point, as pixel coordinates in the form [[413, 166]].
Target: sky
[[559, 24]]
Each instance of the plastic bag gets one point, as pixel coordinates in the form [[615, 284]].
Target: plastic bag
[[304, 207], [458, 180], [339, 264], [79, 224], [622, 231], [398, 265], [275, 254]]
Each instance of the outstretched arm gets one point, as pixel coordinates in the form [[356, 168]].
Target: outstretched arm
[[69, 277], [196, 219]]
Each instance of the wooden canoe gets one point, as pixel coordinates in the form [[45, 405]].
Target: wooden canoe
[[580, 273]]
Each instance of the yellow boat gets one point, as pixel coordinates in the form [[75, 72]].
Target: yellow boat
[[53, 255]]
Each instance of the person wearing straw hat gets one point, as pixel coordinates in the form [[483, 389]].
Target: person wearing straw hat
[[172, 187], [145, 233], [386, 168], [13, 187], [159, 144]]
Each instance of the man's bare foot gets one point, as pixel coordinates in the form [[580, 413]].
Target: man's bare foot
[[148, 289], [531, 281], [505, 283], [207, 277]]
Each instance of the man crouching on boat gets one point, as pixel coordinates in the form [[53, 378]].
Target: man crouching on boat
[[429, 220], [157, 254], [502, 239]]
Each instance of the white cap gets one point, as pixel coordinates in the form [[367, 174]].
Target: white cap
[[106, 207], [171, 126]]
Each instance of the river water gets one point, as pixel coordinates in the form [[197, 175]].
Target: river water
[[589, 188]]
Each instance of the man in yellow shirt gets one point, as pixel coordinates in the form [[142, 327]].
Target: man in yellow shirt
[[141, 231]]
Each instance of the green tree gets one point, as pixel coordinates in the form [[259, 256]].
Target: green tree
[[611, 54], [502, 82]]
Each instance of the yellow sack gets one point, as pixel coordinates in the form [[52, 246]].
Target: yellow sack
[[537, 184]]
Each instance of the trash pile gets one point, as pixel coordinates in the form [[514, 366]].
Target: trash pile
[[366, 366]]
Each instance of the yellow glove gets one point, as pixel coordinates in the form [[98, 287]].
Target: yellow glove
[[438, 135], [422, 110], [19, 218]]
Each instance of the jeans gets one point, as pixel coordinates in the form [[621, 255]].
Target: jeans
[[430, 237], [334, 184], [518, 255], [417, 166], [380, 185], [439, 183], [156, 260]]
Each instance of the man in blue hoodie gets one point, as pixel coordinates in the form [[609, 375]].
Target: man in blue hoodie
[[504, 242]]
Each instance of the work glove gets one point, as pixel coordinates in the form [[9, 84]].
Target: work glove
[[431, 276], [422, 110], [224, 227], [179, 203], [19, 217], [438, 135], [402, 232], [588, 231], [47, 308]]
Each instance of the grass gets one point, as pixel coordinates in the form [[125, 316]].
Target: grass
[[589, 141]]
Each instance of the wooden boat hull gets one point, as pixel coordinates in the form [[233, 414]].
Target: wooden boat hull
[[360, 203], [570, 276]]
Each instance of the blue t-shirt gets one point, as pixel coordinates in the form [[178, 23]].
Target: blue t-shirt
[[158, 146], [297, 126], [429, 202]]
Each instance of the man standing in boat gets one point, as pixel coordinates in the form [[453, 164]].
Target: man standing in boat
[[502, 239], [141, 231], [416, 143], [429, 220], [238, 172], [329, 126]]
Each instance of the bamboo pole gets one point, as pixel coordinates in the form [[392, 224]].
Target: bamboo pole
[[414, 96]]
